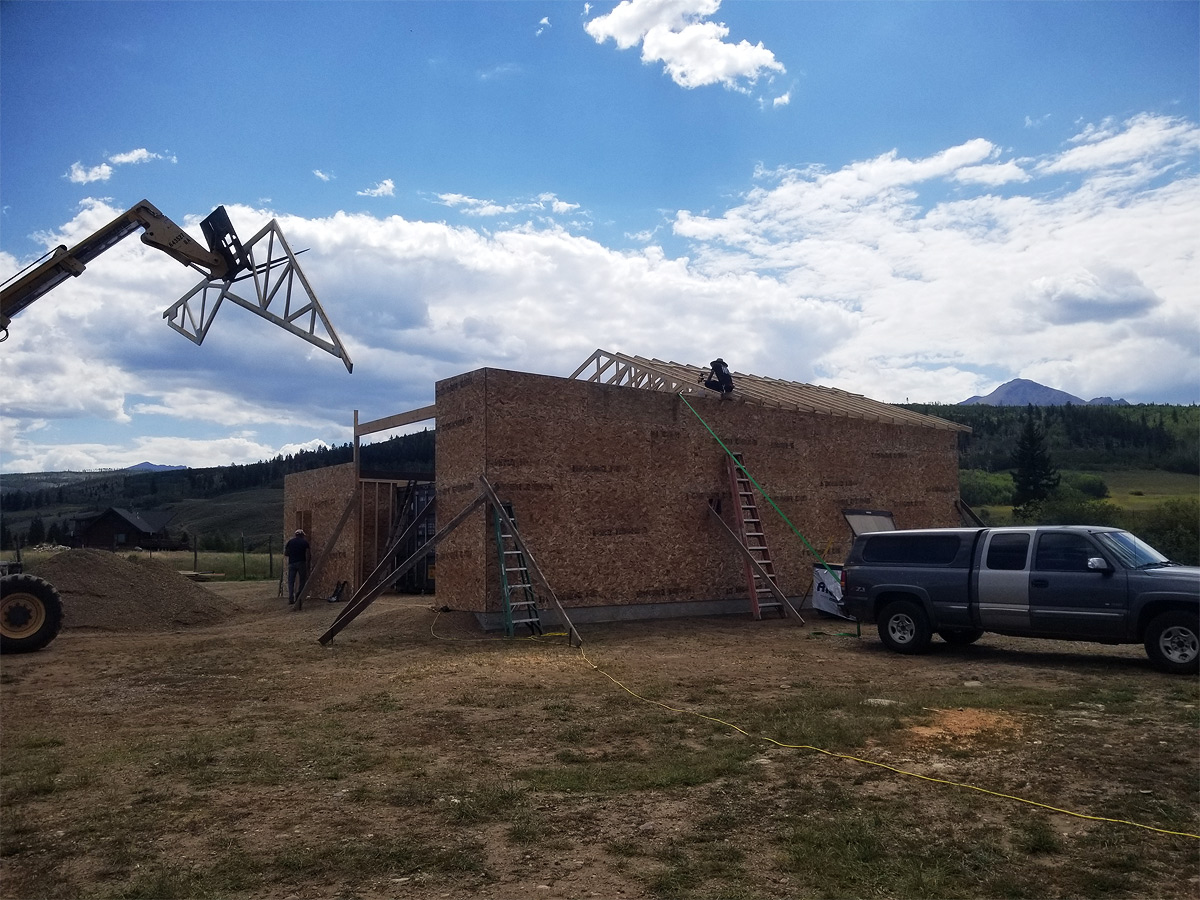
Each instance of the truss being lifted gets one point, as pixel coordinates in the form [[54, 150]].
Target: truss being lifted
[[272, 269], [675, 378]]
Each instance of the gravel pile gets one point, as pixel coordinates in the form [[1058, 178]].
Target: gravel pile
[[105, 590]]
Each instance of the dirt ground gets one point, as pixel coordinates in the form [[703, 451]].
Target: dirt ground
[[209, 731]]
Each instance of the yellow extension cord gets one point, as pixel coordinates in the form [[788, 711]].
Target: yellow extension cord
[[857, 759]]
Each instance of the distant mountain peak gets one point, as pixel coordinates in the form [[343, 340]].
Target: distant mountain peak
[[153, 467], [1023, 392]]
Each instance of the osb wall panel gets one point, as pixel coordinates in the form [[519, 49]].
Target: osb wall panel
[[323, 493], [611, 486], [461, 557]]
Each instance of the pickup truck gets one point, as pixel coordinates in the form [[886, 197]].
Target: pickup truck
[[1074, 583]]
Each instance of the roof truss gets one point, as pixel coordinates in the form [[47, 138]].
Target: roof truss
[[605, 367]]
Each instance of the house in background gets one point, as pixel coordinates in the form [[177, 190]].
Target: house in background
[[611, 475], [125, 529]]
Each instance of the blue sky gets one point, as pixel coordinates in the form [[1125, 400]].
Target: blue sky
[[912, 201]]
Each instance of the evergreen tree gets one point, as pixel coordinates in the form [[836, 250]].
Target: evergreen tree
[[37, 532], [1035, 478]]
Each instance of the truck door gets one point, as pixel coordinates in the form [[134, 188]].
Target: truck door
[[1002, 583], [1066, 597]]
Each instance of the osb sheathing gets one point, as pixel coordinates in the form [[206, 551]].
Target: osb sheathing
[[319, 497], [611, 486]]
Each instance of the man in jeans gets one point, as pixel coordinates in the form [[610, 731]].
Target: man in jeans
[[297, 551]]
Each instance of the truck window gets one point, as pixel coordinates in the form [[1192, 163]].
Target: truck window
[[1063, 552], [1008, 551], [913, 549]]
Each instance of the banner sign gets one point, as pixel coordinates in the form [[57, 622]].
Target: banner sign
[[827, 592]]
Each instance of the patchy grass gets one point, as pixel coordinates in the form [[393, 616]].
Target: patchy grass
[[254, 763]]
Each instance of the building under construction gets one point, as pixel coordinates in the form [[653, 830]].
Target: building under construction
[[633, 491]]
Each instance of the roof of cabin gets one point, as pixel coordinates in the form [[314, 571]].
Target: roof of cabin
[[675, 378]]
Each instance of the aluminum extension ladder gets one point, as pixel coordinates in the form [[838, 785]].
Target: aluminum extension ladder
[[516, 587]]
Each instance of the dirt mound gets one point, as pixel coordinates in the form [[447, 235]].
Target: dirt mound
[[104, 590]]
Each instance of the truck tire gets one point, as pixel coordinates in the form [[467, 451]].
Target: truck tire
[[1173, 642], [904, 627], [30, 613], [961, 637]]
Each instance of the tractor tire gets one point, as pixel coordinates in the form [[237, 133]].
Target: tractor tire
[[31, 613]]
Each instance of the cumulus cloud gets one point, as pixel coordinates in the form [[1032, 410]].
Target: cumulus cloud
[[324, 176], [473, 206], [78, 173], [694, 51], [385, 188], [542, 25], [81, 174], [929, 277], [1046, 280], [141, 155], [1104, 294]]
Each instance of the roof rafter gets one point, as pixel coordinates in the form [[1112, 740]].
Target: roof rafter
[[605, 367]]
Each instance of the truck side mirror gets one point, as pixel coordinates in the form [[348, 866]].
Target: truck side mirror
[[1099, 564]]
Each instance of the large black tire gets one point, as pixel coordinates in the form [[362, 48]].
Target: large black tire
[[30, 613], [904, 627], [960, 637], [1173, 642]]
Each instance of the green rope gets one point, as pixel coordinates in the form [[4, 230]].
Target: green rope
[[738, 463]]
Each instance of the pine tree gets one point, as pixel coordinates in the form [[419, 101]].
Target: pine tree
[[1035, 478]]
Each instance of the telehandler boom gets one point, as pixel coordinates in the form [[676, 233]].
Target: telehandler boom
[[30, 607]]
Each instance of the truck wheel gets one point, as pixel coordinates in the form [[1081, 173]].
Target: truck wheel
[[904, 627], [30, 613], [960, 637], [1173, 642]]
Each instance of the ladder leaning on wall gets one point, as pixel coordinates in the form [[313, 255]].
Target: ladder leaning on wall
[[516, 587], [760, 579]]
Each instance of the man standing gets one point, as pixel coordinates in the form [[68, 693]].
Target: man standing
[[297, 551]]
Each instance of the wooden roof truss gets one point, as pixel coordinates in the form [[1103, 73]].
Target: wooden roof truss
[[674, 378]]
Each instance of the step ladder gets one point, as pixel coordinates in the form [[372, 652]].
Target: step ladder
[[763, 597], [516, 588]]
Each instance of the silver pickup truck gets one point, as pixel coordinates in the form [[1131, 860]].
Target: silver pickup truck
[[1074, 583]]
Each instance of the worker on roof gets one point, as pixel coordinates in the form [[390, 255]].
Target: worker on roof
[[718, 378]]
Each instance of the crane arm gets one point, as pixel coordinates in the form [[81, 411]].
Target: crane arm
[[221, 260], [273, 273]]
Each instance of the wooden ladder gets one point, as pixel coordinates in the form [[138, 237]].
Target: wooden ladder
[[750, 532], [516, 587]]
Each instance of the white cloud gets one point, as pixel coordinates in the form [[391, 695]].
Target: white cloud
[[385, 188], [929, 278], [80, 174], [324, 176], [992, 174], [542, 25], [693, 51], [782, 100], [472, 206], [1146, 140], [140, 155]]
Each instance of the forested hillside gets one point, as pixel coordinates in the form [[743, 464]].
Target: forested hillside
[[409, 453], [216, 504], [1080, 437]]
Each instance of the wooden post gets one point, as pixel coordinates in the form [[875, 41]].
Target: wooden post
[[357, 604]]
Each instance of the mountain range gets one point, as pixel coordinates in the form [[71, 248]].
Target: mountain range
[[1023, 392]]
